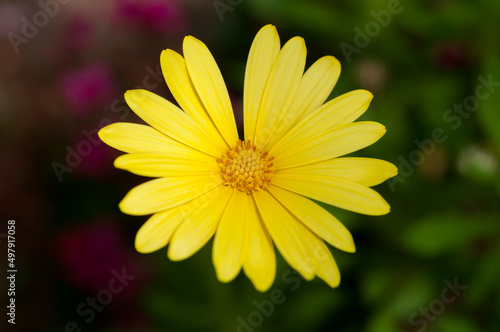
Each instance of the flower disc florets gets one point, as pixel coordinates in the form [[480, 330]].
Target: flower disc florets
[[246, 167]]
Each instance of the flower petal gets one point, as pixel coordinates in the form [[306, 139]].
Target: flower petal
[[311, 147], [210, 86], [341, 110], [158, 229], [263, 53], [344, 109], [170, 120], [317, 219], [180, 85], [280, 89], [337, 192], [162, 164], [287, 233], [164, 193], [326, 268], [131, 137], [317, 257], [229, 242], [315, 86], [200, 224], [260, 260], [365, 171]]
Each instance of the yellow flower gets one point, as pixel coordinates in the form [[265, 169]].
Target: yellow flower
[[251, 194]]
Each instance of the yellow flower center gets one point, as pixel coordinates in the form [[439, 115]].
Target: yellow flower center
[[246, 167]]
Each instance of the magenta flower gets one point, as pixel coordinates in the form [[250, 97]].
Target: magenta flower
[[87, 89], [80, 33], [88, 254], [164, 16]]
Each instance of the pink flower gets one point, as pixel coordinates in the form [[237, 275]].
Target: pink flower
[[451, 55], [80, 34], [87, 89], [96, 162], [88, 254], [155, 15]]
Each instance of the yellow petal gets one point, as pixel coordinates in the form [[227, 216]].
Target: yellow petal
[[158, 229], [263, 53], [162, 164], [341, 110], [287, 234], [170, 120], [164, 193], [260, 261], [315, 86], [365, 171], [210, 86], [317, 219], [280, 89], [229, 242], [200, 223], [311, 147], [180, 85], [326, 268], [337, 192], [131, 137]]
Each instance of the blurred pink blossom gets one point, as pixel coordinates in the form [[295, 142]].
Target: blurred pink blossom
[[98, 163], [451, 55], [79, 34], [89, 253], [87, 89], [165, 16]]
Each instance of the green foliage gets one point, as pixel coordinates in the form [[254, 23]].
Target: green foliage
[[436, 235]]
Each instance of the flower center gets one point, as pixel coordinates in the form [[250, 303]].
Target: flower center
[[246, 167]]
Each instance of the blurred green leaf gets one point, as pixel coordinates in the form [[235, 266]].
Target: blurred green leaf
[[488, 111], [375, 284], [168, 309], [453, 323], [309, 309], [485, 278], [308, 14], [383, 321], [439, 234]]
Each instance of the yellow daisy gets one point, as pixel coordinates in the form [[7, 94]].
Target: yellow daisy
[[254, 193]]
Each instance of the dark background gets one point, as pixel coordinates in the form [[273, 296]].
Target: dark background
[[432, 264]]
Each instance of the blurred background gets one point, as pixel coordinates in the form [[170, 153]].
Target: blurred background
[[432, 264]]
